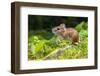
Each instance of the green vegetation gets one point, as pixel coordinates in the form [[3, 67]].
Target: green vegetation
[[43, 45]]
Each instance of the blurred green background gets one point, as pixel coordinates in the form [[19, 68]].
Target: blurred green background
[[44, 45]]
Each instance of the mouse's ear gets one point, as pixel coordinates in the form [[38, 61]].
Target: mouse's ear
[[63, 25]]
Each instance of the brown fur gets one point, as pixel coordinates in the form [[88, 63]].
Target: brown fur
[[66, 33]]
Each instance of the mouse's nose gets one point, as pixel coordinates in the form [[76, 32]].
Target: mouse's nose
[[53, 30]]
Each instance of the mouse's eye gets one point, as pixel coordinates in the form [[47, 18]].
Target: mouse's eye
[[58, 29]]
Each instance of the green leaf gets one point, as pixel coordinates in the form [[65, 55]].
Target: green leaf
[[39, 46]]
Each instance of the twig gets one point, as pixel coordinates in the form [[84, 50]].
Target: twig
[[57, 52]]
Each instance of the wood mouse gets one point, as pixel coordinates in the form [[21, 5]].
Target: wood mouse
[[66, 33]]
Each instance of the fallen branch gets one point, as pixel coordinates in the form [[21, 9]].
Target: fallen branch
[[56, 52]]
